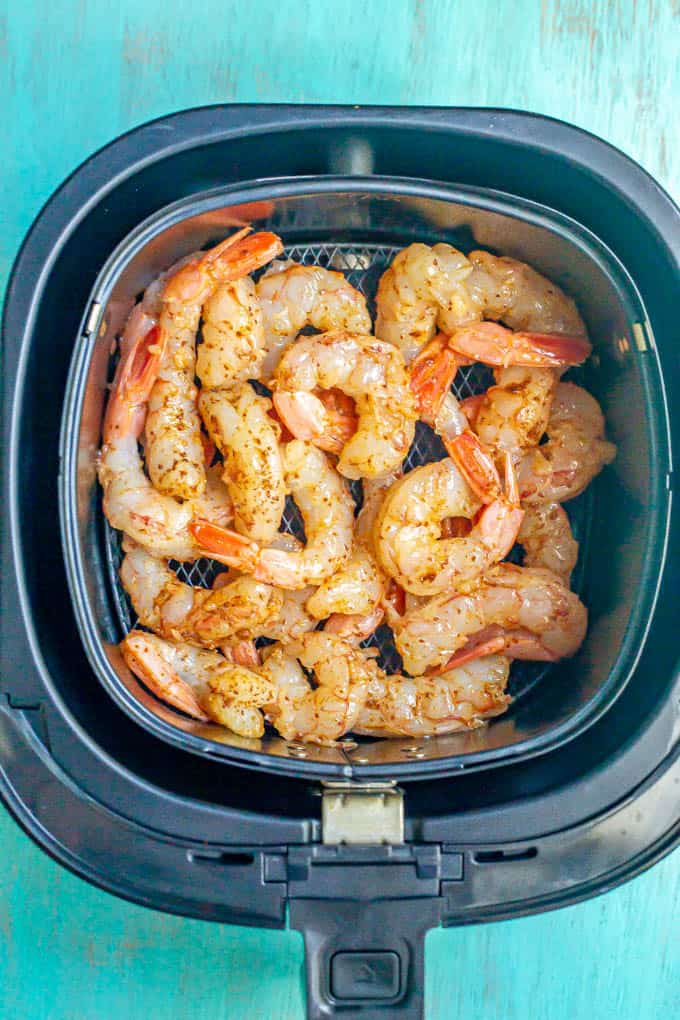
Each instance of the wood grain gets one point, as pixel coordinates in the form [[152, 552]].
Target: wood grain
[[75, 73]]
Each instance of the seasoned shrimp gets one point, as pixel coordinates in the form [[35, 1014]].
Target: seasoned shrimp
[[293, 619], [427, 288], [408, 529], [575, 452], [545, 535], [173, 435], [248, 439], [131, 503], [513, 415], [511, 292], [327, 508], [201, 683], [423, 289], [294, 296], [458, 699], [323, 714], [233, 337], [369, 371], [351, 597], [180, 612], [522, 612]]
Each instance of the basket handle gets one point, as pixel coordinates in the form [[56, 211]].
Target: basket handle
[[365, 959]]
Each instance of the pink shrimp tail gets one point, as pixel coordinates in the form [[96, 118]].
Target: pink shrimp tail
[[475, 463], [126, 410], [493, 344], [225, 546]]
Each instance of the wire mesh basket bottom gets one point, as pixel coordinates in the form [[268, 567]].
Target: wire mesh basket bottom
[[362, 265]]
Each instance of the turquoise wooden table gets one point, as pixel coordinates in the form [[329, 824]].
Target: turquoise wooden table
[[75, 73]]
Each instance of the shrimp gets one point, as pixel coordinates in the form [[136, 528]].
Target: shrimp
[[460, 698], [408, 529], [427, 288], [233, 337], [248, 440], [293, 619], [201, 683], [493, 344], [521, 612], [575, 452], [174, 450], [327, 510], [511, 292], [373, 374], [158, 523], [351, 597], [323, 714], [180, 612], [294, 296], [513, 415], [545, 534], [424, 288]]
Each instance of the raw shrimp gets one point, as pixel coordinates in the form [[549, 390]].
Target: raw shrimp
[[513, 415], [157, 522], [458, 699], [327, 508], [323, 714], [248, 439], [174, 451], [233, 337], [351, 597], [575, 452], [294, 296], [523, 612], [408, 528], [424, 288], [293, 619], [201, 683], [370, 371], [428, 288], [180, 612], [512, 292], [548, 542]]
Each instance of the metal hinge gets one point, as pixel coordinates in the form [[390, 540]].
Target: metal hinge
[[362, 813]]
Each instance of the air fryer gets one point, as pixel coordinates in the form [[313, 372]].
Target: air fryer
[[368, 844]]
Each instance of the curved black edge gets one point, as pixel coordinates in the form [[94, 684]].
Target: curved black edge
[[211, 881]]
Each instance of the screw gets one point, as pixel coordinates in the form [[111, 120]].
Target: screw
[[360, 761], [414, 752]]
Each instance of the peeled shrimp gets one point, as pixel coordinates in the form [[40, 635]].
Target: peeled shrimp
[[293, 619], [513, 415], [173, 449], [408, 529], [458, 699], [327, 508], [373, 374], [323, 714], [248, 440], [294, 296], [181, 612], [424, 288], [548, 542], [522, 612], [233, 337], [511, 292], [201, 683], [131, 503], [351, 597], [427, 288], [575, 452]]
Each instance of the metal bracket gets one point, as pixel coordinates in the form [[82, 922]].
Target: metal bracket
[[367, 813]]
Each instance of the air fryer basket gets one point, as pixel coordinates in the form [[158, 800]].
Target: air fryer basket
[[356, 226]]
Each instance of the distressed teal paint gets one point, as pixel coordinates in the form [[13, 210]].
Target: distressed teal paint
[[72, 76]]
